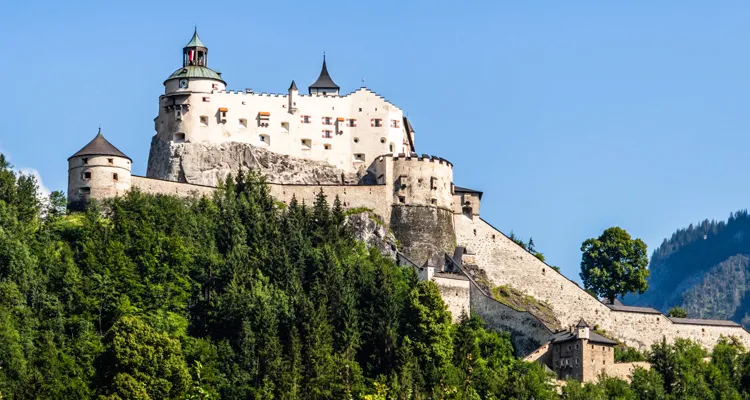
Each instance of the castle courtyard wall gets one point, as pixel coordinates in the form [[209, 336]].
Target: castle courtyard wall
[[506, 263], [455, 292], [158, 186], [373, 197]]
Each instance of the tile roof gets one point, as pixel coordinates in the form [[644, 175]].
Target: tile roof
[[99, 147], [644, 310], [566, 336], [698, 321], [460, 189]]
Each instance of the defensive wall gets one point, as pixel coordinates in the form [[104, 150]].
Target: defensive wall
[[506, 263], [421, 195]]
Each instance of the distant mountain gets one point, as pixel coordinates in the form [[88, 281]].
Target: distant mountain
[[704, 268]]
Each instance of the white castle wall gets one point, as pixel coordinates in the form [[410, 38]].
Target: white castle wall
[[283, 131], [102, 182], [506, 263], [455, 292]]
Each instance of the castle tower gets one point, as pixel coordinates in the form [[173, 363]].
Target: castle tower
[[98, 171], [195, 52], [293, 93], [194, 76], [324, 84]]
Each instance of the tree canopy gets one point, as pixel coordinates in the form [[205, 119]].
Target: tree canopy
[[614, 264]]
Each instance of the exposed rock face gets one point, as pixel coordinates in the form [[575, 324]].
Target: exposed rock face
[[209, 163], [370, 230]]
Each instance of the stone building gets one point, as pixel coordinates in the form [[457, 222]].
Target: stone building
[[581, 353], [360, 147]]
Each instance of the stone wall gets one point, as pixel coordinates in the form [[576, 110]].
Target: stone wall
[[422, 230], [157, 186], [97, 177], [625, 370], [506, 263], [455, 291], [372, 197], [527, 333]]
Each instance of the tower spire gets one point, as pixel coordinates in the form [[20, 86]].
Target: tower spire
[[195, 52], [324, 84]]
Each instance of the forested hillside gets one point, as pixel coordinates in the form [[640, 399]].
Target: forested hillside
[[703, 268], [235, 297]]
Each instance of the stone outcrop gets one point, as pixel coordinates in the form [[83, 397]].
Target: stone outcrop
[[209, 163], [369, 229]]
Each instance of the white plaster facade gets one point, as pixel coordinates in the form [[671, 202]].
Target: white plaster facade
[[347, 131]]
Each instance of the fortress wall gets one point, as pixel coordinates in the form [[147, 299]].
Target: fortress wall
[[158, 186], [455, 291], [283, 131], [506, 263], [527, 332], [369, 196], [625, 370]]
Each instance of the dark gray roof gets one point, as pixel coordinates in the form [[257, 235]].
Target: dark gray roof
[[643, 310], [99, 147], [697, 321], [409, 133], [582, 324], [460, 189], [293, 86], [324, 80], [566, 336]]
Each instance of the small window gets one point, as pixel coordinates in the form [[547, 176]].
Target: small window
[[84, 190], [382, 140], [114, 177], [360, 110], [394, 123], [306, 144], [359, 157], [305, 119], [327, 146], [179, 137], [401, 199], [264, 139], [327, 134], [178, 114], [377, 122], [285, 126], [110, 161], [204, 120], [327, 121], [243, 122], [87, 175], [352, 122], [85, 160], [356, 140], [433, 201], [392, 147], [206, 99]]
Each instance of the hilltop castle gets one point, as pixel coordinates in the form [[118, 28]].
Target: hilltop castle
[[360, 147]]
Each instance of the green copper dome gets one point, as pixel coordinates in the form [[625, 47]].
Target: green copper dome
[[196, 71], [195, 41]]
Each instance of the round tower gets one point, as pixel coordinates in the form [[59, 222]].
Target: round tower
[[422, 210], [98, 171]]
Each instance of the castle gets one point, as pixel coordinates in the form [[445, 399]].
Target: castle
[[360, 147]]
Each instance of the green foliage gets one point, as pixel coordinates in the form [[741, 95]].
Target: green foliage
[[614, 264], [677, 312], [231, 297]]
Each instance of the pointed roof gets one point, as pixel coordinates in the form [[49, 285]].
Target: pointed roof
[[195, 41], [99, 147], [582, 324], [293, 86], [324, 80]]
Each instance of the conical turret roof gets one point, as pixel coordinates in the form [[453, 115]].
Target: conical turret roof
[[324, 80], [582, 324], [99, 147], [195, 41], [293, 86]]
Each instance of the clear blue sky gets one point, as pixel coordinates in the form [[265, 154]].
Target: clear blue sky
[[570, 116]]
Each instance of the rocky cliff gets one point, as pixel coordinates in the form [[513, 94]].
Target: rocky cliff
[[208, 164]]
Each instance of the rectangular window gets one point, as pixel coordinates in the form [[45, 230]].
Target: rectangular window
[[204, 120], [85, 160], [206, 99], [394, 123], [359, 157], [285, 126], [114, 177], [306, 144], [84, 190], [327, 121], [87, 175], [327, 146], [377, 122], [352, 122], [243, 122], [327, 134], [305, 119], [178, 114], [110, 161]]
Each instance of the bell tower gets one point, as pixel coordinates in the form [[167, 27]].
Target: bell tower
[[195, 52]]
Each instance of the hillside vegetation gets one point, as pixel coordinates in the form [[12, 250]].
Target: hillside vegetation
[[705, 269]]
